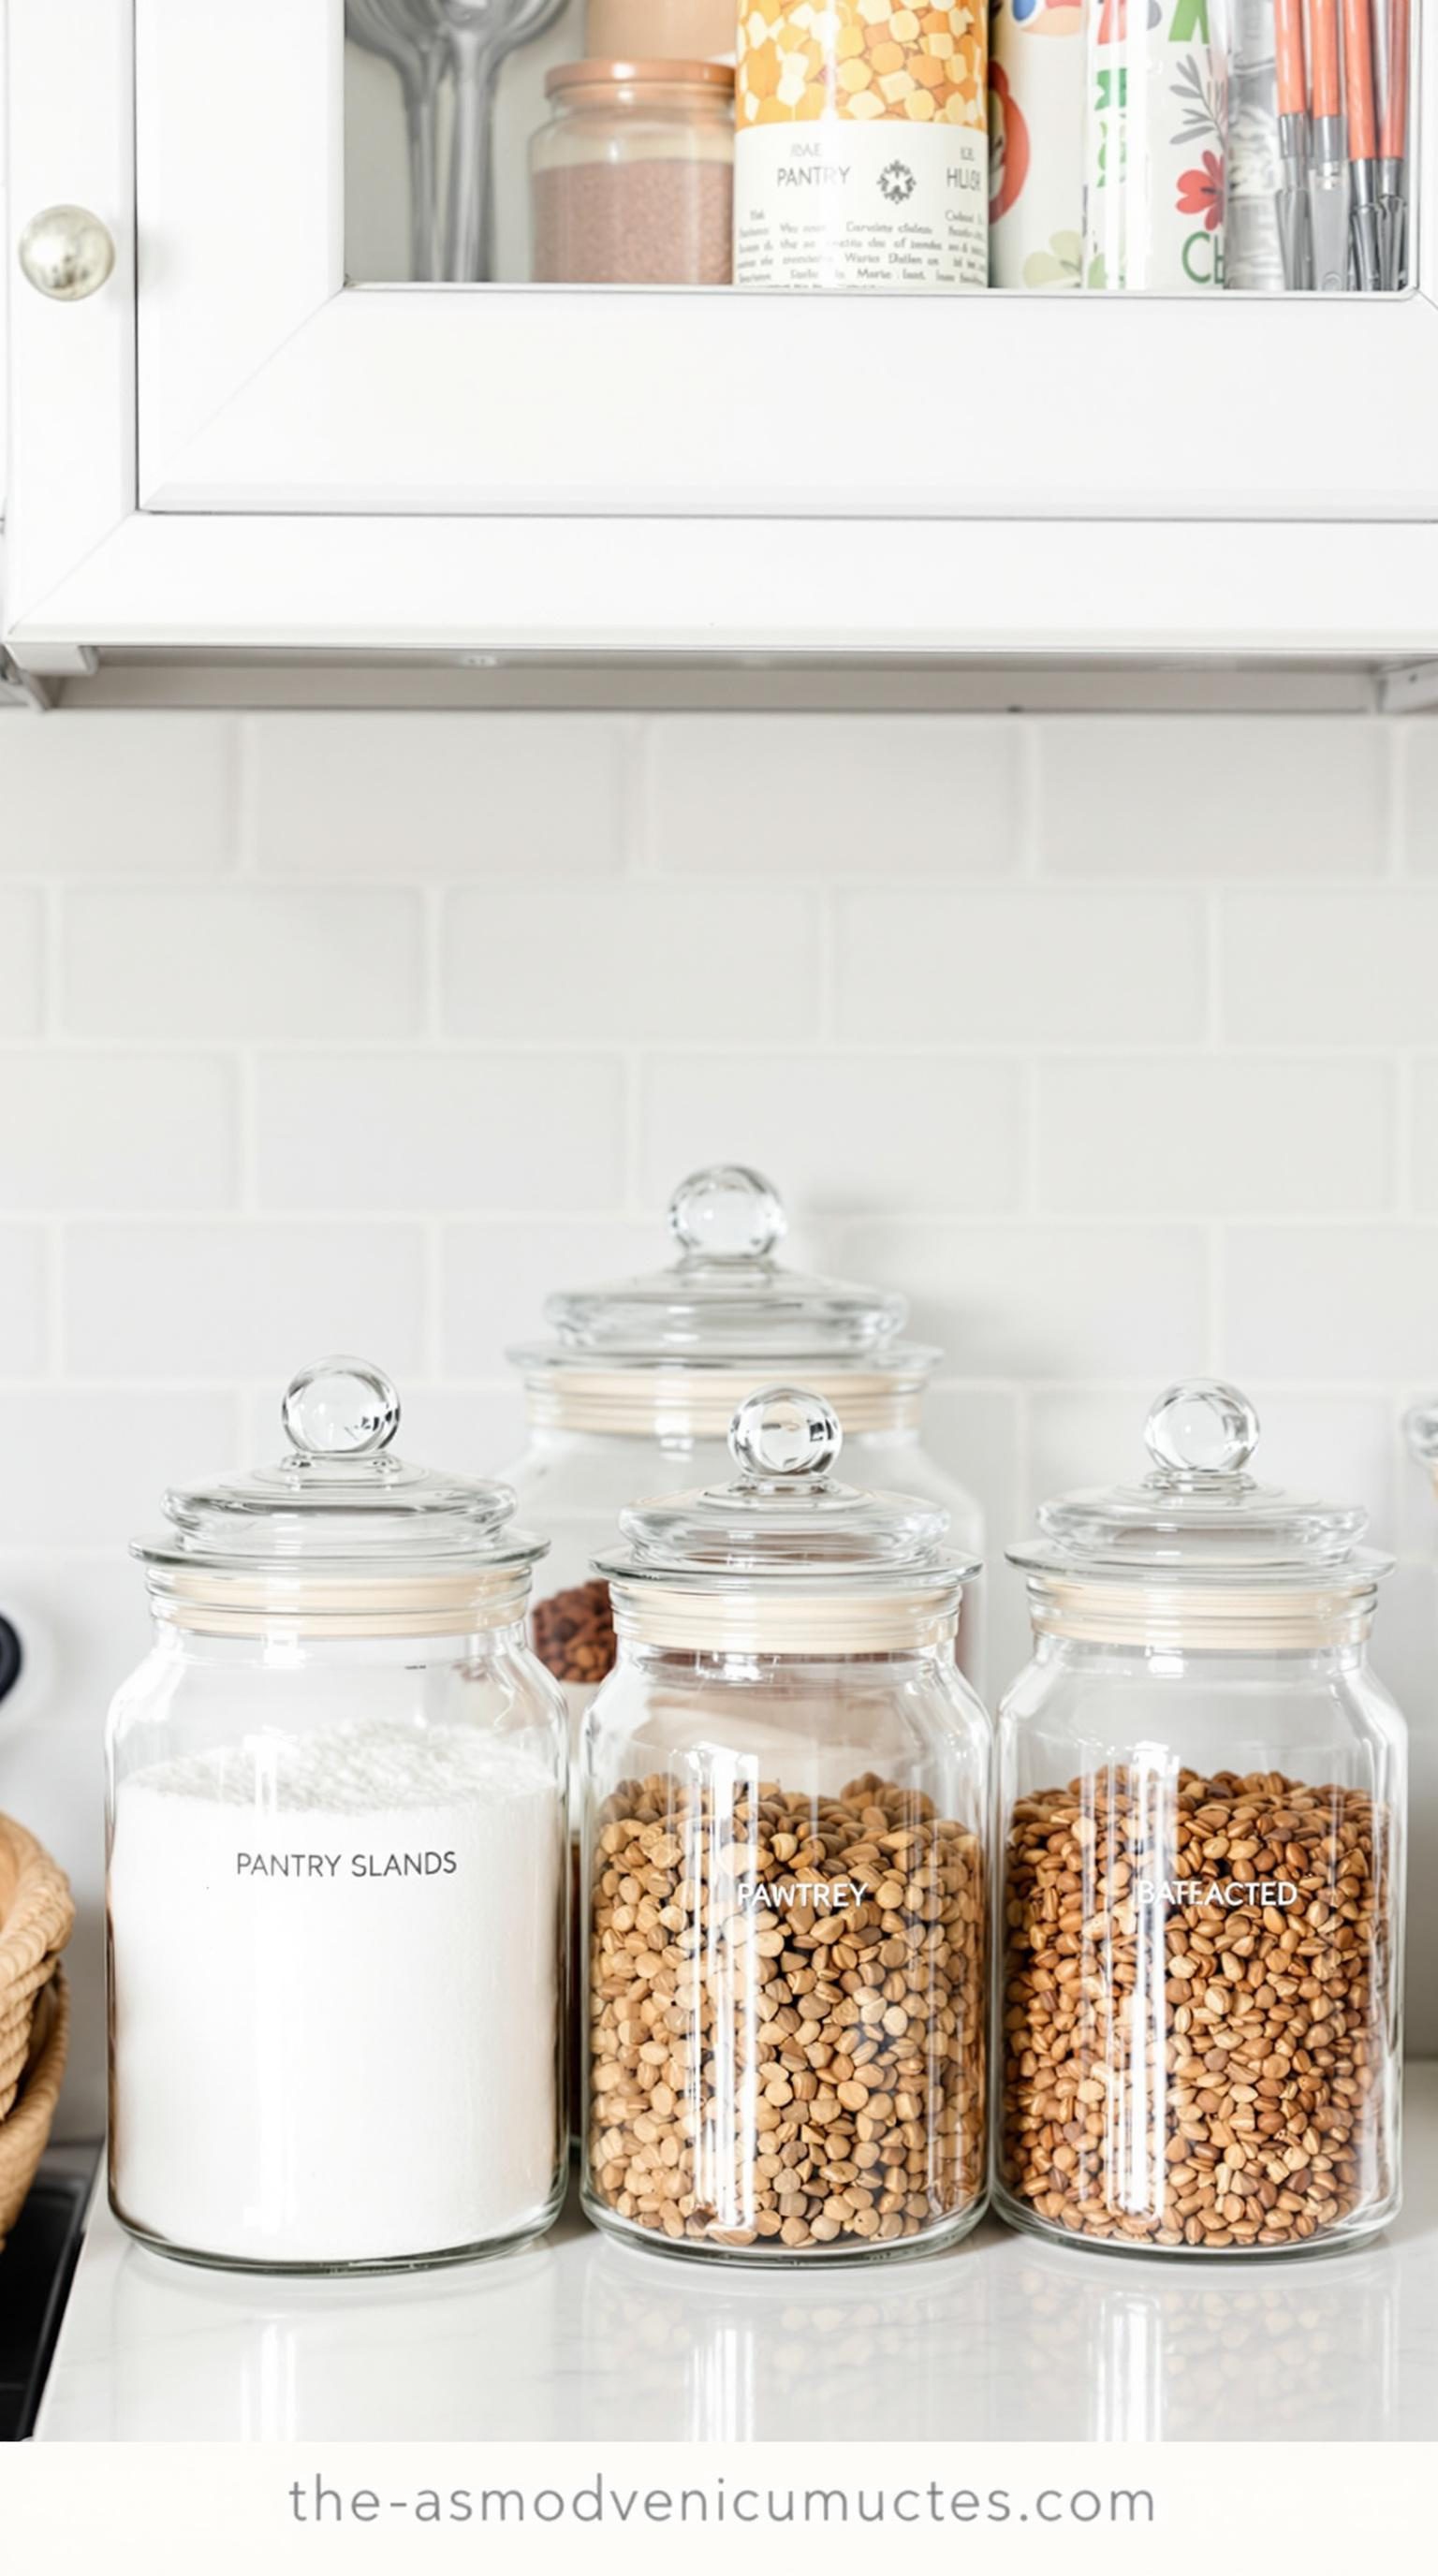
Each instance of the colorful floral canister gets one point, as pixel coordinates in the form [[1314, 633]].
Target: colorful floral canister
[[1036, 143], [1157, 113]]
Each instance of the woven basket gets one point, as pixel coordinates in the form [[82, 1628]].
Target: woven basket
[[37, 1915], [25, 2135]]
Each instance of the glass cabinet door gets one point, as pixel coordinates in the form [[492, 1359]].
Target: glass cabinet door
[[270, 427]]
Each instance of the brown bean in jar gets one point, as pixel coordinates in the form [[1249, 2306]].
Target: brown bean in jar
[[785, 1799], [787, 2001], [1193, 2007], [1202, 1782]]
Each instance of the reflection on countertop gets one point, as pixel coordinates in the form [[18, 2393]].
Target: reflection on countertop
[[1004, 2338]]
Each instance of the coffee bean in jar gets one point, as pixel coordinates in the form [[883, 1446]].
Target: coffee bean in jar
[[573, 1633], [785, 1795], [1202, 1787]]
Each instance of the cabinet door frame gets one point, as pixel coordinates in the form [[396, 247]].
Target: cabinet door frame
[[230, 447]]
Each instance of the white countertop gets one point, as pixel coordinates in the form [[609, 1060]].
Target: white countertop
[[1003, 2339]]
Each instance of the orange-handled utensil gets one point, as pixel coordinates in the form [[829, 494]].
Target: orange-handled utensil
[[1392, 32], [1329, 189], [1288, 48], [1291, 196], [1325, 65], [1362, 141]]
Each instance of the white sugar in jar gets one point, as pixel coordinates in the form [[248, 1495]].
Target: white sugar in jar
[[336, 1884], [352, 2058]]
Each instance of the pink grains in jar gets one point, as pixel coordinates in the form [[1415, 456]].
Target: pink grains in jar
[[633, 176]]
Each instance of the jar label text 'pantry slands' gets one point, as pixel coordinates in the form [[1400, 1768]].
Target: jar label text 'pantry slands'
[[358, 1864]]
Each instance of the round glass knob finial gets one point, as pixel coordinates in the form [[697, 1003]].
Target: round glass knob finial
[[1202, 1428], [341, 1408], [66, 253], [784, 1435], [1420, 1422], [726, 1213]]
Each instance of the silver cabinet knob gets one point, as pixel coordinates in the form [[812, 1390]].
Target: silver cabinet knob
[[66, 253]]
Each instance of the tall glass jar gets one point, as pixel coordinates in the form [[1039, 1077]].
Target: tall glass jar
[[1202, 1801], [785, 1786], [633, 176], [636, 1393], [337, 1893]]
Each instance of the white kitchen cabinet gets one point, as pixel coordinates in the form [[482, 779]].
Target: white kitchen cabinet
[[229, 448]]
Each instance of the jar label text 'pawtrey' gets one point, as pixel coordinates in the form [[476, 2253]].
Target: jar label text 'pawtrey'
[[818, 1896]]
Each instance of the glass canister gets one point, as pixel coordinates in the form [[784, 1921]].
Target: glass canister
[[636, 1393], [1202, 1802], [337, 1831], [785, 1786], [1156, 139], [633, 176], [862, 150]]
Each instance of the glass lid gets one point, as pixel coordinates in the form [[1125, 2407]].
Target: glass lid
[[1200, 1516], [726, 1299], [339, 1494], [787, 1518]]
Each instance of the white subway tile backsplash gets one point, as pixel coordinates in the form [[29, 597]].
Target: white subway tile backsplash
[[117, 795], [1081, 1436], [1215, 1136], [452, 1133], [242, 961], [1329, 969], [1047, 965], [1425, 1135], [22, 958], [375, 1029], [24, 1301], [88, 1466], [1417, 757], [830, 795], [436, 795], [1305, 1304], [1343, 1447], [240, 1299], [1043, 1301], [635, 961], [1213, 796], [479, 1431], [841, 1134], [495, 1279], [116, 1131]]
